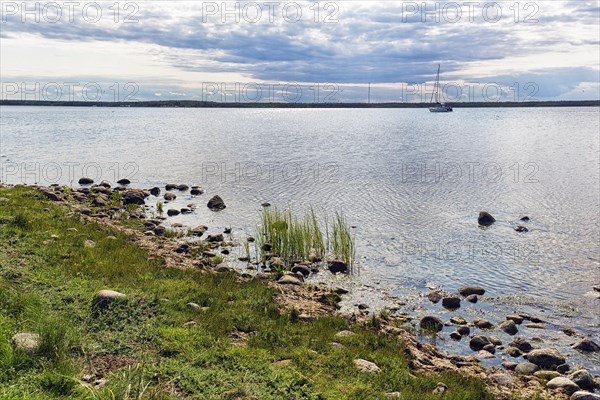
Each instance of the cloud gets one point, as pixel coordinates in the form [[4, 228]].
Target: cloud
[[380, 42]]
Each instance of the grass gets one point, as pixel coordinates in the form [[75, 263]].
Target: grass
[[302, 239], [145, 347]]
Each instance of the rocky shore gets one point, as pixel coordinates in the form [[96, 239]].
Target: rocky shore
[[529, 369]]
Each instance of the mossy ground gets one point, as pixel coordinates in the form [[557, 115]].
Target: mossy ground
[[240, 345]]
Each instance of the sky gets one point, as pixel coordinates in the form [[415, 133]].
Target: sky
[[302, 51]]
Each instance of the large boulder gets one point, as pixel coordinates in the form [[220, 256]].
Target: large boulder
[[546, 358], [485, 219], [581, 395], [216, 203], [478, 342]]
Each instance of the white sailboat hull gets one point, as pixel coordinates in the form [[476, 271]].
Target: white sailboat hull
[[440, 109]]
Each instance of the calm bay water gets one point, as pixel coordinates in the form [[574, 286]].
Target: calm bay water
[[411, 182]]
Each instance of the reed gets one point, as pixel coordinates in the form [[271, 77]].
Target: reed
[[294, 239]]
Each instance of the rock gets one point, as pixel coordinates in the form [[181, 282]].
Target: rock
[[170, 186], [522, 345], [124, 181], [469, 290], [435, 296], [341, 334], [451, 302], [341, 291], [134, 197], [563, 368], [149, 233], [525, 218], [183, 249], [490, 348], [336, 345], [458, 320], [337, 266], [485, 218], [535, 326], [513, 351], [199, 230], [86, 181], [483, 324], [463, 330], [564, 384], [478, 342], [546, 358], [222, 268], [196, 191], [182, 187], [53, 196], [484, 354], [546, 375], [155, 191], [216, 203], [581, 395], [517, 319], [266, 204], [26, 341], [596, 288], [89, 243], [526, 368], [172, 212], [440, 389], [509, 327], [455, 335], [521, 228], [510, 365], [393, 395], [194, 306], [160, 230], [431, 323], [362, 306], [472, 298], [105, 297], [301, 269], [366, 366], [289, 280], [587, 346], [583, 379], [495, 340], [215, 238], [100, 200], [501, 379], [185, 210]]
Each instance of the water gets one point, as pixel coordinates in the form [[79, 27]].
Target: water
[[411, 182]]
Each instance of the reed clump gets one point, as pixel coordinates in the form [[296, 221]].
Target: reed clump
[[306, 238]]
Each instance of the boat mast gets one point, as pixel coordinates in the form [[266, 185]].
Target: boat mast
[[436, 87]]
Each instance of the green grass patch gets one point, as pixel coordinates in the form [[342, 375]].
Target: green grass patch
[[151, 345]]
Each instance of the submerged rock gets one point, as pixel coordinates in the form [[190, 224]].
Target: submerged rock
[[337, 266], [170, 196], [521, 228], [435, 296], [469, 290], [451, 302], [216, 203], [587, 345], [432, 323], [485, 218], [472, 298], [134, 197], [483, 324]]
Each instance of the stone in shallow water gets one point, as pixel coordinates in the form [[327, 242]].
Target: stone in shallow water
[[478, 342], [469, 290], [216, 203], [431, 322], [509, 327], [451, 302], [485, 218], [434, 296], [546, 358], [587, 345], [583, 379], [483, 324]]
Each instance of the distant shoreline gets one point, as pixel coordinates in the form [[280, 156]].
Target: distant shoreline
[[208, 104]]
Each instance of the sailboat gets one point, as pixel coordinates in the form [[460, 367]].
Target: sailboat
[[437, 106]]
